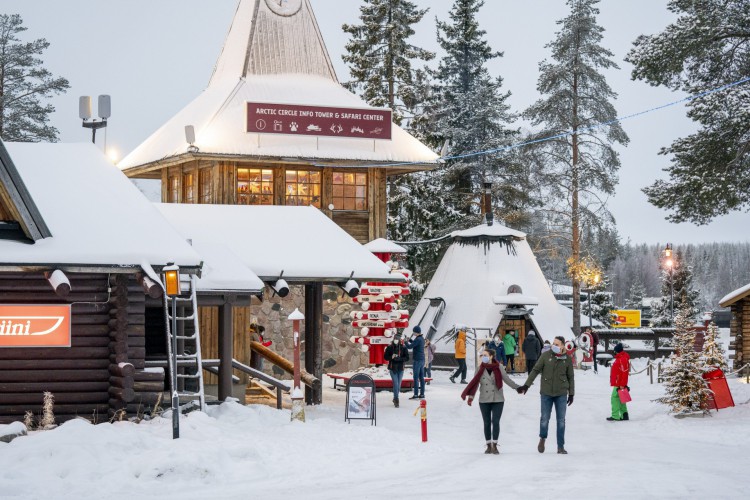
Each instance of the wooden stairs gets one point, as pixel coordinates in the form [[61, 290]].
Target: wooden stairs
[[257, 393]]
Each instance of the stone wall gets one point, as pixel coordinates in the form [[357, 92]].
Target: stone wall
[[339, 353]]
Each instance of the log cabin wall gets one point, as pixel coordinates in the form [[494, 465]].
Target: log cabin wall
[[100, 373], [739, 328], [215, 182]]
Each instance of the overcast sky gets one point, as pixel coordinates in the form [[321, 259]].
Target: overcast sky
[[154, 56]]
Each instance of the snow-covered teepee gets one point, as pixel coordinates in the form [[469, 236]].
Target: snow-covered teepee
[[489, 275]]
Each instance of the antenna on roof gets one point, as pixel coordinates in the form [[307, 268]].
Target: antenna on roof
[[85, 113], [190, 138]]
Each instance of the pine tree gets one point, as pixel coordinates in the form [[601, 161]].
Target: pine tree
[[706, 47], [635, 296], [601, 306], [677, 291], [380, 57], [576, 96], [686, 391], [713, 353], [24, 83]]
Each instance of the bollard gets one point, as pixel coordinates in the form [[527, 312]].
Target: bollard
[[423, 417], [651, 373]]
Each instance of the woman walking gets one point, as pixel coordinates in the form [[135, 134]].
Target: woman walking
[[510, 349], [460, 358], [397, 354], [489, 381]]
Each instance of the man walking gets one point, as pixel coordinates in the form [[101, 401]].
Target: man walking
[[416, 344], [532, 349], [557, 388]]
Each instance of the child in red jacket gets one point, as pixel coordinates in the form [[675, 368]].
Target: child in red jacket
[[618, 379]]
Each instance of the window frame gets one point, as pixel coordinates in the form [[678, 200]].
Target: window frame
[[311, 195], [343, 197], [261, 183]]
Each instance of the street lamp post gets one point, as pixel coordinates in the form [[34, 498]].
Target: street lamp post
[[172, 289], [670, 264]]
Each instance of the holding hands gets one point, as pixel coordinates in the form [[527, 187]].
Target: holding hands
[[522, 389]]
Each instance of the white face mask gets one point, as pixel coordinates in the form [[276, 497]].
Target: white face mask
[[395, 341], [485, 359], [556, 349], [497, 339]]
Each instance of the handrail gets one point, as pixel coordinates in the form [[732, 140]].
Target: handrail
[[262, 376]]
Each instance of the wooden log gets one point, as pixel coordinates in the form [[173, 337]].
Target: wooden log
[[89, 342], [60, 398], [120, 358], [53, 387], [90, 331], [59, 282], [150, 398], [122, 382], [148, 386], [74, 296], [122, 370], [149, 376], [136, 341], [83, 409], [122, 394], [55, 352], [53, 364], [119, 348], [52, 375], [284, 364], [89, 319], [12, 285], [137, 353], [90, 308]]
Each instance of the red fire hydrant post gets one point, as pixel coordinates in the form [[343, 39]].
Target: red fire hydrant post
[[423, 417]]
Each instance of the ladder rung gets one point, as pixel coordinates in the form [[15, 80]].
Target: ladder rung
[[183, 318], [187, 356], [181, 375], [184, 337], [189, 394]]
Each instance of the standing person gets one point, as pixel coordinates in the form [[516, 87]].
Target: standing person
[[557, 386], [510, 349], [416, 345], [397, 355], [460, 357], [546, 347], [532, 349], [489, 380], [618, 379], [497, 345], [429, 351], [595, 347]]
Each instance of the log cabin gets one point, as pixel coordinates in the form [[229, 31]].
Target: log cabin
[[76, 238], [739, 326]]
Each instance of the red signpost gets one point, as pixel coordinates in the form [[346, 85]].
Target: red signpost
[[292, 119]]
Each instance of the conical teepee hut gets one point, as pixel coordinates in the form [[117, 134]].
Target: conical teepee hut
[[488, 281]]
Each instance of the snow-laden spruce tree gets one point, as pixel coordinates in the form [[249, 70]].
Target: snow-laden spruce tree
[[380, 57], [602, 305], [582, 167], [24, 84], [706, 47], [685, 390], [635, 295], [713, 355], [677, 282]]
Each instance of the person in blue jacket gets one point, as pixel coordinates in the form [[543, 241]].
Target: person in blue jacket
[[416, 345], [496, 344]]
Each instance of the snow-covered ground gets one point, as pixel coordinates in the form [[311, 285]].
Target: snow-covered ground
[[256, 452]]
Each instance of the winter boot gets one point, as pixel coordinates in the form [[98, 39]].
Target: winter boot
[[464, 382], [625, 416], [495, 451], [414, 397], [395, 403], [488, 451], [561, 451], [610, 419], [540, 446], [452, 379]]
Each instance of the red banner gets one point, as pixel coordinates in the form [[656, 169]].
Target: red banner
[[291, 119], [35, 326]]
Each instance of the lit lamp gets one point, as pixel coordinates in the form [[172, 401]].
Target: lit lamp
[[670, 264], [172, 289]]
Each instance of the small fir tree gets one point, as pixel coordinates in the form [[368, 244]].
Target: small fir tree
[[601, 306], [635, 296], [686, 390], [713, 352]]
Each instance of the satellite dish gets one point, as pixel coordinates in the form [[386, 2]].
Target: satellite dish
[[190, 134], [105, 107], [84, 107]]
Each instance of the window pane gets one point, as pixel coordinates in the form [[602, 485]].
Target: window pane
[[291, 176], [361, 179], [350, 191], [268, 176], [242, 174], [349, 204], [361, 205], [361, 192], [349, 179], [338, 191], [303, 177], [338, 178], [315, 177]]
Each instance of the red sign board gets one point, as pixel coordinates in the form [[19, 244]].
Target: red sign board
[[34, 326], [291, 119]]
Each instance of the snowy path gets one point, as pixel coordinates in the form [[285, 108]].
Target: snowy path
[[255, 452]]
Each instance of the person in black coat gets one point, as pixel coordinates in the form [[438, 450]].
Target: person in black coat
[[397, 355], [532, 349]]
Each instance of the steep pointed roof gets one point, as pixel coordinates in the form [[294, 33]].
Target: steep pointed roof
[[261, 42], [274, 54]]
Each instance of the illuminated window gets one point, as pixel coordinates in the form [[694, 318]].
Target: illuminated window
[[254, 186], [205, 185], [174, 189], [188, 188], [349, 191], [303, 188]]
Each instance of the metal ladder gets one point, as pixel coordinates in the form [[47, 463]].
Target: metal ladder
[[189, 363]]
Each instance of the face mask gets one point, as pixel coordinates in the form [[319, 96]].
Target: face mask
[[497, 339], [556, 348], [395, 341], [485, 359]]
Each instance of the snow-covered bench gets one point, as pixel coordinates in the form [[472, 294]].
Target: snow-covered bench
[[604, 358]]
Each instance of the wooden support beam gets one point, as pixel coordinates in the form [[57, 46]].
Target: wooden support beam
[[150, 287], [283, 363], [314, 339], [226, 341], [59, 282]]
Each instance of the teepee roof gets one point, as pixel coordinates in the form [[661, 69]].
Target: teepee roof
[[271, 57], [474, 277]]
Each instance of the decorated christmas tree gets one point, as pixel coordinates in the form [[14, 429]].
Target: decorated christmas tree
[[713, 353], [686, 391]]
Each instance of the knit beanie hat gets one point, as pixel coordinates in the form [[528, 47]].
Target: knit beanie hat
[[417, 330], [618, 347]]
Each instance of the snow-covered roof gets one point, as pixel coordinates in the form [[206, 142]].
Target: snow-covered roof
[[381, 245], [469, 276], [97, 217], [495, 230], [224, 271], [273, 59], [515, 299], [300, 241], [735, 296]]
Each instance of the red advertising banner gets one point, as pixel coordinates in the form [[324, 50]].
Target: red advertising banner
[[291, 119], [34, 326]]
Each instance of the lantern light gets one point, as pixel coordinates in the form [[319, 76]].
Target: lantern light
[[668, 251], [172, 280]]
